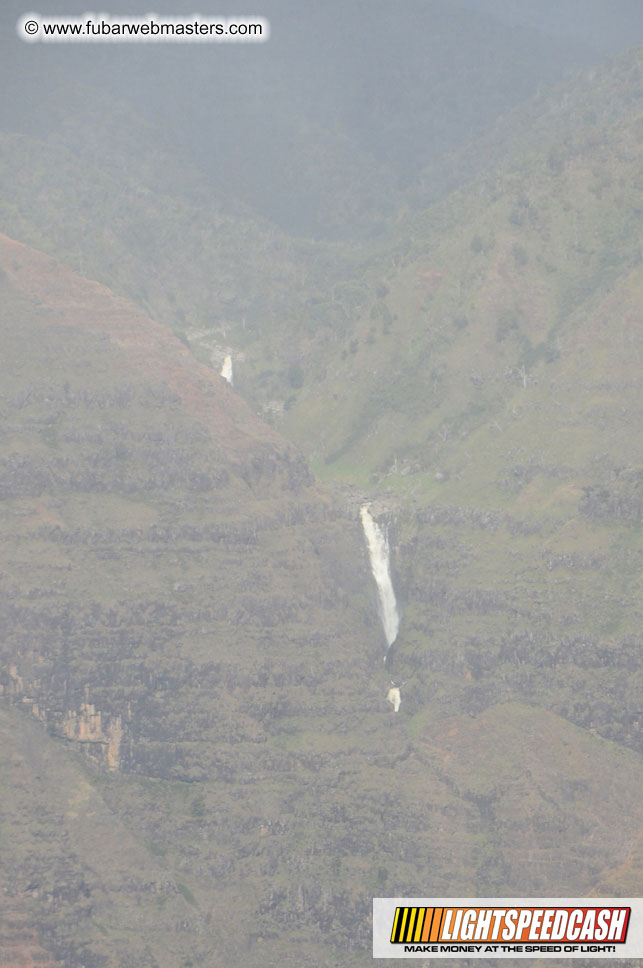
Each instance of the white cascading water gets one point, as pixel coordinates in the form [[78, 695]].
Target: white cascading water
[[226, 370], [378, 552], [393, 696]]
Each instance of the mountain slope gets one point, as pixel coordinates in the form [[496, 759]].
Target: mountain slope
[[198, 762], [313, 129], [199, 765], [594, 99], [487, 386], [503, 274], [176, 591], [163, 449]]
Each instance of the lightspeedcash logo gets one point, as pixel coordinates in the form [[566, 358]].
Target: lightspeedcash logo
[[511, 928]]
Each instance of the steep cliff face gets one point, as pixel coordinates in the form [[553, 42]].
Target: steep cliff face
[[178, 598], [166, 545]]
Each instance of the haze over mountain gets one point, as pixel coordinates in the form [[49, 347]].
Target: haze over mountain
[[416, 232], [606, 28], [321, 128]]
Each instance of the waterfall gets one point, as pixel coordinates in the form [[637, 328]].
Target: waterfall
[[393, 696], [378, 552], [226, 370]]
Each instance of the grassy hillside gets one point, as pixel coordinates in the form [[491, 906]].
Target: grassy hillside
[[594, 98], [490, 390], [483, 307]]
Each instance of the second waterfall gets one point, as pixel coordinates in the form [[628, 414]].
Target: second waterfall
[[378, 552]]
